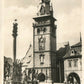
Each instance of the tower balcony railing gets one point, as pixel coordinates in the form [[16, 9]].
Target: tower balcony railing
[[41, 24]]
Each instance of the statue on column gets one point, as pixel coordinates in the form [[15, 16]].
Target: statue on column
[[15, 24]]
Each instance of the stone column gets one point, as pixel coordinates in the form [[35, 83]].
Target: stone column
[[14, 38]]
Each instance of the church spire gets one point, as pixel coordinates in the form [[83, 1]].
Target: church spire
[[80, 37]]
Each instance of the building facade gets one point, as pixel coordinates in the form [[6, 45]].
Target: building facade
[[73, 64], [8, 70], [50, 65], [44, 42], [60, 53]]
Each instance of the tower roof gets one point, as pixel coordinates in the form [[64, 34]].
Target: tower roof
[[44, 16]]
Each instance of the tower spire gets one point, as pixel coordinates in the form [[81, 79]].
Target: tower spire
[[80, 37]]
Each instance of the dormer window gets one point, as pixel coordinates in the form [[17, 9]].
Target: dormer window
[[73, 52]]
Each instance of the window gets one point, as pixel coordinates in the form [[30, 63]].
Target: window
[[44, 29], [38, 30], [73, 51], [41, 43], [41, 30], [80, 62], [69, 63], [75, 62], [42, 59]]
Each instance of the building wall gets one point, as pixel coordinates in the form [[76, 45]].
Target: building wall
[[47, 62], [68, 70], [49, 52], [79, 73], [47, 42], [77, 49], [72, 68], [53, 43], [46, 72]]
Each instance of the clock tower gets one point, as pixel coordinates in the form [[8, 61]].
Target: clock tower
[[44, 42]]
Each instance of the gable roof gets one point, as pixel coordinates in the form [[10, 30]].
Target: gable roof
[[61, 52], [75, 54], [79, 44]]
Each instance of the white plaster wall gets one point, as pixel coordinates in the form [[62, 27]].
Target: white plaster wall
[[68, 70], [72, 68]]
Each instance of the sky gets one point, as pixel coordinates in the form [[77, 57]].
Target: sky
[[67, 13], [1, 52]]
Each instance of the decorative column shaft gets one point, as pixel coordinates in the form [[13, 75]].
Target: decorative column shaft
[[14, 38]]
